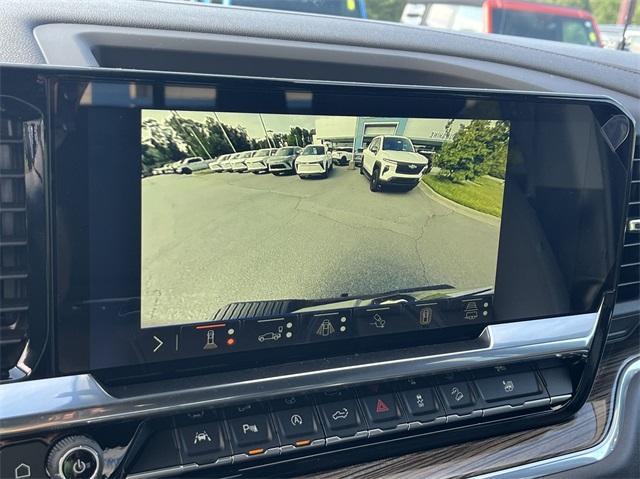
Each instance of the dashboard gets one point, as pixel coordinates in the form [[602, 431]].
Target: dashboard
[[231, 248]]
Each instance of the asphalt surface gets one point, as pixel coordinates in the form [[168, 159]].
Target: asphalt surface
[[212, 239]]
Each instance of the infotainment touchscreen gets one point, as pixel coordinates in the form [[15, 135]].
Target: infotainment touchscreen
[[197, 221], [253, 207]]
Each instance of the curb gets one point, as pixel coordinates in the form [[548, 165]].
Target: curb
[[457, 207]]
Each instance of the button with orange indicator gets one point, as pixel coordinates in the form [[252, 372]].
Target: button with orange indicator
[[297, 421], [251, 429]]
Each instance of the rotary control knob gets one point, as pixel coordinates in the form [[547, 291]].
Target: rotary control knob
[[75, 457]]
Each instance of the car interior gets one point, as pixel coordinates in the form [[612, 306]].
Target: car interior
[[244, 242]]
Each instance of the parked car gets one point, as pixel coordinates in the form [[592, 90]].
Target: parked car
[[169, 168], [342, 155], [158, 170], [357, 156], [507, 17], [314, 160], [392, 160], [238, 164], [283, 160], [216, 166], [226, 163], [189, 165], [258, 162]]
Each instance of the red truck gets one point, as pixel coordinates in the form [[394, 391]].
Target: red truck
[[507, 17]]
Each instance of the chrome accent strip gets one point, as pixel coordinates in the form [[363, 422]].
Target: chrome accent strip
[[358, 435], [560, 399], [451, 418], [241, 457], [376, 431], [507, 408], [566, 462], [438, 421], [169, 471], [54, 403]]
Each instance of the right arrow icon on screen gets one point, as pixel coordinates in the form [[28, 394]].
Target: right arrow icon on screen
[[159, 343]]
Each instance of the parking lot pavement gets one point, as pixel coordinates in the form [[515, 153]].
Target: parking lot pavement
[[212, 239]]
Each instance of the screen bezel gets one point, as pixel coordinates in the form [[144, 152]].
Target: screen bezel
[[70, 334]]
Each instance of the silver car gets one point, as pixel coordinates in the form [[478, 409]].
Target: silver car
[[238, 164], [226, 163], [216, 165], [258, 162]]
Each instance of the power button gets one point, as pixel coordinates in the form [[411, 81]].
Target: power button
[[75, 457], [79, 463]]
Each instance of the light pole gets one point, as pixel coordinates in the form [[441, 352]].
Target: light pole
[[266, 132]]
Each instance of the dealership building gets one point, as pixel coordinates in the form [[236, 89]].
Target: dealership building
[[425, 133]]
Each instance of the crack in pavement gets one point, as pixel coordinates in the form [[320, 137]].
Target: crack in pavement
[[356, 220], [266, 190], [278, 228]]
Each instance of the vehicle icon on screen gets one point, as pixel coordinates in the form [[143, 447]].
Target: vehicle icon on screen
[[271, 335]]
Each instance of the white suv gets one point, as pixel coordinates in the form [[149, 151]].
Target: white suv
[[392, 160], [314, 160], [189, 165], [342, 155]]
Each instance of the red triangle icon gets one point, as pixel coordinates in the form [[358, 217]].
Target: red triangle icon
[[381, 406]]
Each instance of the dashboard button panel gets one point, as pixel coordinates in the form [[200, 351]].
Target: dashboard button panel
[[281, 426]]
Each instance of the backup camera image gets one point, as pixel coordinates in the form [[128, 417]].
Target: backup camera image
[[241, 207]]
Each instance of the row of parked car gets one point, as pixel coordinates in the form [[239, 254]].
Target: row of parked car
[[312, 160], [182, 167], [387, 160]]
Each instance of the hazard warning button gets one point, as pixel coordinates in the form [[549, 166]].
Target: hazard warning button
[[380, 407]]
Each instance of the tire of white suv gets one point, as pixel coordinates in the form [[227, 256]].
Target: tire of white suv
[[374, 182]]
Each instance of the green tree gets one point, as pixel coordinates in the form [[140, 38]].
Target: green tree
[[208, 139], [299, 137], [160, 147], [389, 10], [476, 149]]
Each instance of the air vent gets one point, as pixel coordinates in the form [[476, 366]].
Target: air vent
[[629, 281], [14, 305]]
